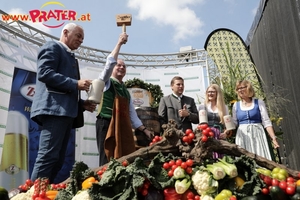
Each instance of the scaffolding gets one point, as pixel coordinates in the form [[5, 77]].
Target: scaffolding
[[33, 36]]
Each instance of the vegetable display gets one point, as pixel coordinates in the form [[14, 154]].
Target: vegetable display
[[165, 175]]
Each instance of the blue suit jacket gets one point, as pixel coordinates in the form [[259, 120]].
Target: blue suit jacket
[[56, 90]]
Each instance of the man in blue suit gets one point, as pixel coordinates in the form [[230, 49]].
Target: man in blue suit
[[56, 99]]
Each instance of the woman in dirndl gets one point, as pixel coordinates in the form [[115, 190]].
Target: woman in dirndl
[[251, 118], [216, 109]]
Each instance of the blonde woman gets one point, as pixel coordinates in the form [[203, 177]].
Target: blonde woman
[[216, 109], [251, 117]]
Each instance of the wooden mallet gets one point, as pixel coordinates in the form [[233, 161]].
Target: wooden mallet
[[123, 20]]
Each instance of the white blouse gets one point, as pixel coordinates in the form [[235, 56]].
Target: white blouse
[[266, 122]]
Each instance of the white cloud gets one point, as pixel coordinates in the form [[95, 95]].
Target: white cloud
[[176, 13], [37, 25]]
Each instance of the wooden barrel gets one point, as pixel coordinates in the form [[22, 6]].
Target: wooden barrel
[[149, 117]]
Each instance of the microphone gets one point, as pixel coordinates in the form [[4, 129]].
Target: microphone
[[73, 55]]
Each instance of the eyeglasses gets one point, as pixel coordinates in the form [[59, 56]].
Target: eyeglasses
[[241, 88], [211, 92]]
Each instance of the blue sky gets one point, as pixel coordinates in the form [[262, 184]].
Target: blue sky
[[158, 26]]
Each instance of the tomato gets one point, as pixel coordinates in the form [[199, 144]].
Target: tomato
[[211, 134], [267, 180], [233, 198], [171, 163], [282, 185], [199, 127], [166, 165], [202, 126], [145, 192], [204, 138], [178, 162], [189, 170], [170, 193], [100, 172], [191, 136], [205, 132], [183, 165], [54, 186], [197, 197], [170, 173], [29, 182], [61, 186], [125, 163], [189, 162], [290, 190], [190, 195], [157, 138], [290, 179], [42, 194], [24, 187], [174, 167], [188, 131], [265, 191], [208, 129], [185, 139], [275, 182]]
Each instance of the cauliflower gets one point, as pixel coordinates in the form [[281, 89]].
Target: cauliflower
[[82, 195], [24, 195], [204, 183]]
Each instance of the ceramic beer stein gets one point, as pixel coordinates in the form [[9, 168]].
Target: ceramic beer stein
[[96, 91], [203, 117]]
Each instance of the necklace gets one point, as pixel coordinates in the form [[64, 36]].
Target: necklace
[[246, 103]]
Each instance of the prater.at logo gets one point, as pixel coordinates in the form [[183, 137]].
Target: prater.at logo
[[44, 16]]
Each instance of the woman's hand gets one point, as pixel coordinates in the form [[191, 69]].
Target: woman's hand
[[275, 143], [223, 136]]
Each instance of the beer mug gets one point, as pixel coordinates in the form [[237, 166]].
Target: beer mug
[[228, 122], [203, 117], [96, 90]]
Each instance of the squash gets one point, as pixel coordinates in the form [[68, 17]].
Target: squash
[[258, 197], [51, 194], [277, 193]]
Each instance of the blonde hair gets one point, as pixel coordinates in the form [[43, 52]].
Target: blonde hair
[[220, 101], [250, 89]]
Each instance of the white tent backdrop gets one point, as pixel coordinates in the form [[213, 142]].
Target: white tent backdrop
[[16, 53]]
